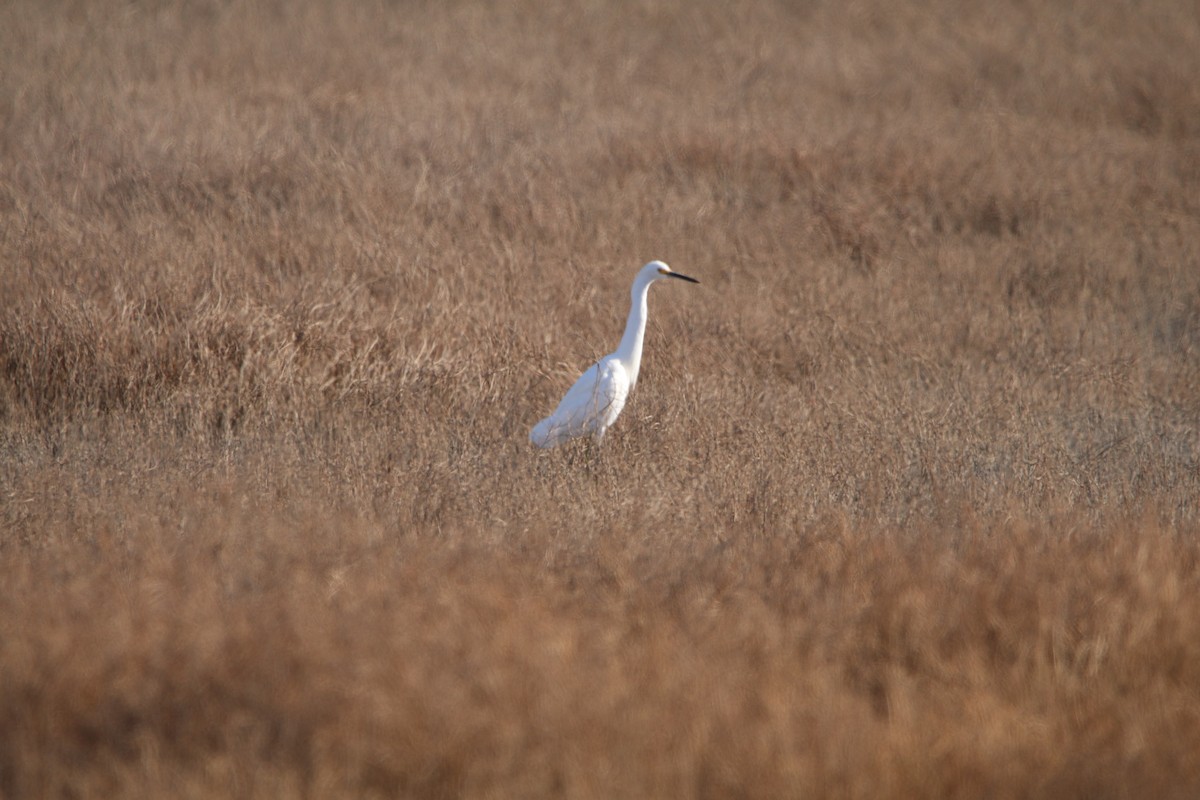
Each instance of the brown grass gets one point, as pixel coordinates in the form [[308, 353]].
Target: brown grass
[[905, 504]]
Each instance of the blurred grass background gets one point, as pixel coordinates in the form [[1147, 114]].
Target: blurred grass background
[[904, 504]]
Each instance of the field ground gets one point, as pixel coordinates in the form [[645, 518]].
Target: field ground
[[905, 504]]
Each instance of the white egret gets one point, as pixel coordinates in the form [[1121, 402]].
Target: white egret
[[596, 399]]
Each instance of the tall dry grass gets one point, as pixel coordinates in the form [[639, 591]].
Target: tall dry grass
[[905, 504]]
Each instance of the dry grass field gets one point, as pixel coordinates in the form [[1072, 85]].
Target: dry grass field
[[906, 503]]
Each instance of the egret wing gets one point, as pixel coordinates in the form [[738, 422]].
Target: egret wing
[[589, 406]]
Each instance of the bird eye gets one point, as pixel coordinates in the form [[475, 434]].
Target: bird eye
[[663, 270]]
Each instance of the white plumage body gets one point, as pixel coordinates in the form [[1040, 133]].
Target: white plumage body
[[596, 399], [589, 407]]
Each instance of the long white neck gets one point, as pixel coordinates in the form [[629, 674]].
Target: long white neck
[[630, 349]]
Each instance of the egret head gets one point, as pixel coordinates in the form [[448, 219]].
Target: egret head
[[657, 270]]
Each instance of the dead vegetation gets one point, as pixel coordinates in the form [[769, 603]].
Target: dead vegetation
[[905, 504]]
